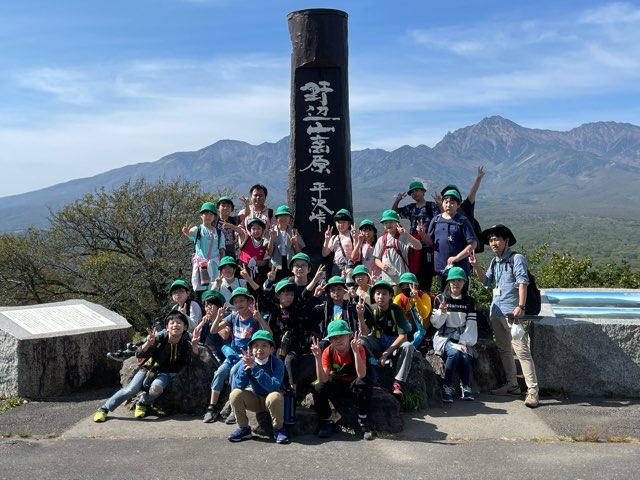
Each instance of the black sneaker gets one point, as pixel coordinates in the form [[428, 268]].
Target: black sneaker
[[211, 415], [326, 429], [231, 418], [367, 433]]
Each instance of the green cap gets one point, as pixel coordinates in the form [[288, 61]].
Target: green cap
[[367, 222], [240, 291], [381, 284], [208, 207], [301, 256], [456, 272], [256, 220], [360, 270], [336, 280], [337, 327], [415, 186], [343, 213], [390, 215], [407, 277], [225, 198], [228, 261], [453, 193], [283, 210], [215, 295], [287, 282], [451, 186], [262, 335], [179, 284]]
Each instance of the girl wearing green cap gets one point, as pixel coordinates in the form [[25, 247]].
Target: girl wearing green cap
[[341, 245], [365, 244], [284, 242]]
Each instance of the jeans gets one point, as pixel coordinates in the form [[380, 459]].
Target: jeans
[[159, 384], [225, 371], [456, 359]]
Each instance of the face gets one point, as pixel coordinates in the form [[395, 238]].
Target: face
[[261, 349], [497, 244], [336, 293], [300, 268], [342, 225], [256, 230], [417, 194], [362, 280], [258, 197], [283, 221], [286, 297], [227, 271], [225, 209], [208, 217], [340, 342], [382, 297], [210, 308], [368, 233], [175, 326], [450, 205], [241, 303], [405, 288], [390, 226], [456, 285], [179, 295]]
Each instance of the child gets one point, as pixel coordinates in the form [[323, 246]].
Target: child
[[226, 281], [365, 244], [342, 372], [239, 325], [256, 387], [392, 249], [361, 277], [209, 246], [340, 245], [165, 354], [212, 301], [179, 292], [421, 212], [452, 237], [226, 221], [410, 300], [284, 242], [335, 307], [385, 334], [257, 209], [300, 266], [455, 319], [253, 251]]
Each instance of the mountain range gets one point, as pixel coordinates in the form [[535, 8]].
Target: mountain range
[[594, 168]]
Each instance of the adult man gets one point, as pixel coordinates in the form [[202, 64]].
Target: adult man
[[507, 306]]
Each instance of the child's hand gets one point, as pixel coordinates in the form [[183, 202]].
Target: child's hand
[[361, 235], [385, 267], [353, 232], [271, 276], [247, 358], [219, 281], [472, 258], [273, 232], [244, 273], [352, 292], [414, 291], [480, 172], [195, 336], [438, 199], [315, 348], [183, 309], [401, 230], [401, 195], [360, 307], [294, 236], [420, 227], [328, 232], [443, 304], [373, 278], [319, 289], [186, 228], [151, 336], [355, 342], [319, 273], [451, 261]]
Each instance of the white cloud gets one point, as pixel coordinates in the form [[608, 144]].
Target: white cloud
[[67, 86], [613, 13]]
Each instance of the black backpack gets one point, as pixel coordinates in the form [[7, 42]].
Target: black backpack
[[533, 304]]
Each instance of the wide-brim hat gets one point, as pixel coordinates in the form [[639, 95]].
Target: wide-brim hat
[[228, 261], [301, 256], [283, 210], [343, 213], [407, 277], [415, 186], [452, 193], [179, 284], [253, 220], [287, 282], [225, 198], [240, 291], [500, 230], [261, 335], [208, 207], [337, 327], [335, 280], [360, 270], [367, 223], [451, 186], [216, 296], [457, 273], [381, 284], [390, 215]]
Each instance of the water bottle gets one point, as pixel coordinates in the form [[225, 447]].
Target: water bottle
[[285, 344]]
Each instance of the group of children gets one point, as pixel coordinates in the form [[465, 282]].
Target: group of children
[[276, 330]]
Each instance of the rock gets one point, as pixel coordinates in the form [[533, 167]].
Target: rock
[[487, 371]]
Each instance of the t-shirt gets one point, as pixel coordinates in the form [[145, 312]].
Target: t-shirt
[[242, 330], [450, 237], [388, 323], [230, 237], [368, 260], [415, 214], [203, 243], [391, 257], [343, 364]]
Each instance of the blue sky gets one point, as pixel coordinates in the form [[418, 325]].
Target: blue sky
[[88, 86]]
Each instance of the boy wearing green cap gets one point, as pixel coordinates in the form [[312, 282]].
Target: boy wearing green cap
[[361, 276], [457, 333], [226, 222], [412, 299], [385, 334], [342, 373], [340, 246], [420, 213], [179, 292], [284, 242], [209, 247], [335, 307], [257, 386], [240, 325], [392, 249], [452, 236]]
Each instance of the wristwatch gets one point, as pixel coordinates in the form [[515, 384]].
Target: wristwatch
[[521, 307]]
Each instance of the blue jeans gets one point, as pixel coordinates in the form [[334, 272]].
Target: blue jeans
[[159, 384], [223, 373], [455, 359]]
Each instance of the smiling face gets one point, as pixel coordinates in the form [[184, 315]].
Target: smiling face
[[300, 269], [283, 221], [228, 271], [261, 349], [342, 226], [179, 295], [241, 303], [336, 293], [225, 208], [368, 233], [340, 342], [210, 308], [175, 326], [456, 285], [362, 280], [286, 297], [390, 226], [208, 217], [258, 197], [256, 231]]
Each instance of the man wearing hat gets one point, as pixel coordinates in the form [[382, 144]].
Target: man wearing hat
[[510, 279], [420, 212]]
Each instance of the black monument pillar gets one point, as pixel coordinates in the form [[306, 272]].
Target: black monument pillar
[[320, 150]]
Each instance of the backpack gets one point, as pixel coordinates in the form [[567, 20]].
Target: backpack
[[407, 325], [477, 229], [218, 232], [533, 304], [412, 263]]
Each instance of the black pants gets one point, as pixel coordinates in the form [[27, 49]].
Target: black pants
[[300, 367], [425, 269], [359, 390]]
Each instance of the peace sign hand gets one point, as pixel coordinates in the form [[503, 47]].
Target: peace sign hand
[[315, 348], [151, 336], [328, 232]]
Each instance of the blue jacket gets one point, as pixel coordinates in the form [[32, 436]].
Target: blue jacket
[[263, 379]]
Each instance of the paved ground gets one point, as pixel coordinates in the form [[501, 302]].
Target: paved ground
[[490, 436]]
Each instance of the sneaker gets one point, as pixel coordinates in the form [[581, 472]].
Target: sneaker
[[447, 394], [231, 419], [211, 415], [239, 434], [326, 429], [280, 436], [467, 393], [100, 416], [367, 433], [532, 400], [397, 389], [507, 389], [140, 411]]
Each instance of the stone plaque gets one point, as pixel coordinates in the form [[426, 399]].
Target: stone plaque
[[67, 318]]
